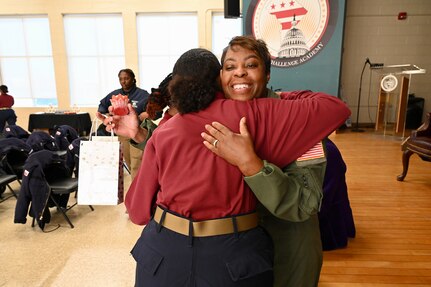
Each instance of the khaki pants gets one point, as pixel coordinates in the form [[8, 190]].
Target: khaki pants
[[132, 156]]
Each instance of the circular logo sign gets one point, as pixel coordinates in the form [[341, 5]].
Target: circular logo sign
[[294, 30], [389, 83]]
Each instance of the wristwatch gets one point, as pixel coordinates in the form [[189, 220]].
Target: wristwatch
[[389, 83]]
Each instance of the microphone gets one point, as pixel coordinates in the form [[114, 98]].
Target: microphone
[[374, 65], [367, 61]]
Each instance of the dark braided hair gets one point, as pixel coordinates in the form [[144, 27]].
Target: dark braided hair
[[159, 98], [195, 81]]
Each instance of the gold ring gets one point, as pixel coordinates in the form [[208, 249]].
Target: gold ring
[[215, 143]]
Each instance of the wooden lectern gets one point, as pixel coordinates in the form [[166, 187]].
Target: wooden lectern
[[389, 88]]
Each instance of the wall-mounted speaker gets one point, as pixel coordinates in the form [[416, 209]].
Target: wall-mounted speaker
[[231, 9]]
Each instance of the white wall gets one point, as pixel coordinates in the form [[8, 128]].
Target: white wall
[[373, 31]]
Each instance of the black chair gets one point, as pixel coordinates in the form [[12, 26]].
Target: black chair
[[47, 182], [14, 163], [61, 185], [13, 154], [5, 180]]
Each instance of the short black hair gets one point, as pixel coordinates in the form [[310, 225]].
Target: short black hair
[[129, 72], [4, 89], [258, 46], [195, 80]]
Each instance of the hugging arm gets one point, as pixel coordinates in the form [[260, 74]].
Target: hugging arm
[[280, 191], [237, 149]]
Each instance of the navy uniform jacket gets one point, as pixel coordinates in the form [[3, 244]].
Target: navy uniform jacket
[[41, 140], [64, 135], [72, 161], [35, 189], [15, 131], [7, 144]]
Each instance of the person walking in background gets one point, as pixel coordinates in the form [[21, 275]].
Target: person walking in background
[[7, 114], [138, 98]]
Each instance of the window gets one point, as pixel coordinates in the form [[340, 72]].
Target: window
[[95, 53], [26, 64], [159, 48], [223, 30]]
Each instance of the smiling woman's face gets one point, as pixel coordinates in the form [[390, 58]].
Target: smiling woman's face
[[243, 75]]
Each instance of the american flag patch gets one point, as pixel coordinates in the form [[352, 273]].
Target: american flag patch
[[313, 153]]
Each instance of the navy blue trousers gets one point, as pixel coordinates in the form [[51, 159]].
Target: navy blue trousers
[[166, 259], [7, 116]]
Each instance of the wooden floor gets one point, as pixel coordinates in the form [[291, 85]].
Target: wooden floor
[[393, 219], [392, 246]]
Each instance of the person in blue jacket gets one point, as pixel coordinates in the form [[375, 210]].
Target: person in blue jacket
[[138, 98]]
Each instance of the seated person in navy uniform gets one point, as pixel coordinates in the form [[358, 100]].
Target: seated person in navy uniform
[[138, 98]]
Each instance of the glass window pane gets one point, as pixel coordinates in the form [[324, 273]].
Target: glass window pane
[[109, 81], [12, 28], [159, 48], [26, 63], [84, 82], [223, 30], [80, 32], [96, 43], [42, 71], [88, 86], [13, 70], [38, 37], [152, 77], [107, 44]]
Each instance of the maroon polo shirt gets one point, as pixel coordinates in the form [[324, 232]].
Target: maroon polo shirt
[[6, 101], [179, 173]]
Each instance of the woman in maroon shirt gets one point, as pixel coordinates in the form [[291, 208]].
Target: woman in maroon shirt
[[201, 227], [7, 115]]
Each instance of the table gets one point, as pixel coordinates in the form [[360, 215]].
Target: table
[[80, 121]]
